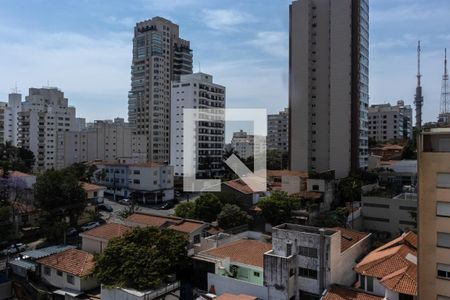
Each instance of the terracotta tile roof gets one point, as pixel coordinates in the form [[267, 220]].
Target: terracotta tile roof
[[239, 185], [350, 237], [343, 293], [394, 263], [249, 252], [227, 296], [89, 187], [76, 262], [309, 195], [18, 174], [107, 231], [281, 173], [178, 224]]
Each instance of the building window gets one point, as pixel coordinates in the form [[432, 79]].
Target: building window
[[443, 180], [443, 209], [47, 271], [362, 282], [288, 249], [136, 172], [384, 220], [369, 284], [443, 271], [376, 205], [256, 274], [443, 239], [307, 273], [307, 251], [59, 273], [197, 239], [70, 279]]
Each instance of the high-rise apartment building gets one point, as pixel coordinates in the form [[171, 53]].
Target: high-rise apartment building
[[8, 118], [387, 122], [434, 214], [197, 91], [104, 140], [244, 144], [44, 114], [278, 131], [159, 56], [329, 85]]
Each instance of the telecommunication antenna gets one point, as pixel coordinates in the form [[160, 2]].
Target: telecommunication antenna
[[418, 100]]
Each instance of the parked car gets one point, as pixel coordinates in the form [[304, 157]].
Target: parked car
[[90, 225], [14, 249], [167, 205], [105, 207], [71, 231], [125, 201]]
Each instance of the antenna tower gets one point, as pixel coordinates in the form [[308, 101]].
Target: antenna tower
[[445, 98]]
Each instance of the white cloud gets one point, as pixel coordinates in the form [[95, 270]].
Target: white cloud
[[272, 42], [225, 19], [408, 11], [127, 22]]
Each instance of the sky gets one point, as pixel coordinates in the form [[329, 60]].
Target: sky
[[84, 48]]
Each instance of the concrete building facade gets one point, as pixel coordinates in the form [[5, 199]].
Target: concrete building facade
[[102, 140], [245, 145], [388, 122], [328, 85], [159, 56], [8, 118], [197, 91], [434, 214], [44, 114], [278, 131], [305, 260]]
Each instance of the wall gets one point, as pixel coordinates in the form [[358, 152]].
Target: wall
[[60, 281], [92, 245], [229, 285], [5, 290]]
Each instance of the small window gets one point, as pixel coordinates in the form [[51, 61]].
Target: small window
[[443, 271], [59, 273], [443, 239], [70, 279], [288, 249], [307, 251], [443, 209], [47, 271], [362, 282], [256, 274], [370, 284], [315, 187], [197, 239]]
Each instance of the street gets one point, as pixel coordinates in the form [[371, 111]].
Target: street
[[117, 208]]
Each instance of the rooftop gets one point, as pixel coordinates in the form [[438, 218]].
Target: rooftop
[[175, 223], [287, 173], [350, 237], [75, 262], [90, 187], [336, 292], [19, 174], [107, 231], [249, 252], [227, 296], [239, 186], [394, 263]]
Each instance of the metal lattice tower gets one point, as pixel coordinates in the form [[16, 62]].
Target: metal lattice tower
[[418, 100], [445, 99]]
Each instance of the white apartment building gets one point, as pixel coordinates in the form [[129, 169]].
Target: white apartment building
[[245, 145], [306, 260], [387, 122], [278, 131], [8, 118], [329, 85], [44, 114], [197, 91], [102, 140], [152, 182], [159, 56]]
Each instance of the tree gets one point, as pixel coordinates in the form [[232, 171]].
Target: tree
[[185, 210], [15, 159], [335, 218], [60, 197], [207, 207], [277, 160], [232, 216], [350, 189], [409, 151], [82, 171], [143, 258], [277, 208]]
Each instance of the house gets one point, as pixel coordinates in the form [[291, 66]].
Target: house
[[94, 192], [390, 271], [235, 267], [305, 260], [70, 271], [96, 239], [336, 292], [193, 228], [148, 182], [228, 296], [120, 293], [388, 152], [28, 179], [246, 196], [291, 182]]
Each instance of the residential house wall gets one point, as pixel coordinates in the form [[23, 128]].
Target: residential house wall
[[224, 284], [60, 280]]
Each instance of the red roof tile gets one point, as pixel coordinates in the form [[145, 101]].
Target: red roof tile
[[178, 224], [239, 186], [249, 252], [350, 237], [343, 293], [76, 262], [107, 231], [88, 187], [227, 296]]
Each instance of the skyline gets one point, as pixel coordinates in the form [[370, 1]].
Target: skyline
[[243, 45]]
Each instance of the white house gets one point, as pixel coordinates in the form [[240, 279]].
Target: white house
[[70, 271], [95, 193], [96, 240]]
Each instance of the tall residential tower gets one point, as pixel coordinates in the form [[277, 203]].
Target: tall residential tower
[[329, 85], [159, 56]]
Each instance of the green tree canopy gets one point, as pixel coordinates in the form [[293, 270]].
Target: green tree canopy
[[334, 218], [277, 208], [232, 216], [82, 171], [185, 210], [142, 258], [207, 207], [15, 158], [350, 189]]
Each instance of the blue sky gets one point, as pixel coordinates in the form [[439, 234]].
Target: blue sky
[[84, 48]]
